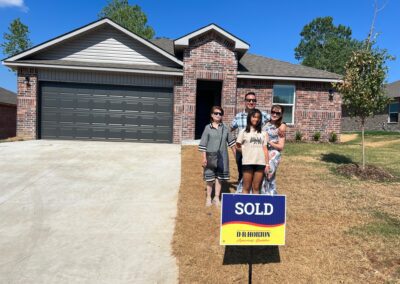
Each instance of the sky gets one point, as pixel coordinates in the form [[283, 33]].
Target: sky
[[271, 27]]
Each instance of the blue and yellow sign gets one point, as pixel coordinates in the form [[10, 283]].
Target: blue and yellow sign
[[253, 219]]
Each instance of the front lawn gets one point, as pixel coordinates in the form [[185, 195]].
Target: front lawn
[[339, 229]]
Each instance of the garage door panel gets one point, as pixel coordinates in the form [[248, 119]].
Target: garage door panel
[[84, 111], [66, 117], [164, 108]]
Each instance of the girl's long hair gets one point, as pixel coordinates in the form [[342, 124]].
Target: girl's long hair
[[251, 114], [279, 121]]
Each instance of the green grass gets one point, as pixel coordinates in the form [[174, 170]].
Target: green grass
[[385, 156], [384, 225], [373, 133]]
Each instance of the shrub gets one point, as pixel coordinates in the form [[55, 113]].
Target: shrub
[[317, 136], [333, 137], [298, 136]]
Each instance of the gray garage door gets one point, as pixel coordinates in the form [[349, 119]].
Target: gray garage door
[[104, 112]]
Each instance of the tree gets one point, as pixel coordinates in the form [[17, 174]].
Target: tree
[[129, 16], [325, 46], [362, 87], [17, 40]]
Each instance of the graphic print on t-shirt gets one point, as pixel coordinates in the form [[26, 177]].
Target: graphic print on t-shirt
[[256, 140]]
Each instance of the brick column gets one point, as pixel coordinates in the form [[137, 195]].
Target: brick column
[[27, 103], [209, 56], [178, 111]]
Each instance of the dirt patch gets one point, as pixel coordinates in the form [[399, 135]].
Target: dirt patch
[[348, 137], [322, 209], [381, 143], [369, 173], [13, 139]]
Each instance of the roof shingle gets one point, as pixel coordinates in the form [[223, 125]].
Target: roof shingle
[[7, 97], [393, 89], [251, 64]]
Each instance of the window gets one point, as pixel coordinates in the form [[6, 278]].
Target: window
[[394, 112], [284, 95]]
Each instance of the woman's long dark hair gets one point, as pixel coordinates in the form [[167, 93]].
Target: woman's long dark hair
[[279, 121], [251, 114]]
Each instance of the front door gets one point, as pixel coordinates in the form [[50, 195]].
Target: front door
[[208, 95]]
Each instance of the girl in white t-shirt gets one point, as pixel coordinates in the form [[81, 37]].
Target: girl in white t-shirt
[[252, 141]]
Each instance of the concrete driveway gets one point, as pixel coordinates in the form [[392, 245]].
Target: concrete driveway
[[87, 212]]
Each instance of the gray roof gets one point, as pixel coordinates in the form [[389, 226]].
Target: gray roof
[[7, 97], [101, 65], [251, 64], [393, 89], [165, 43]]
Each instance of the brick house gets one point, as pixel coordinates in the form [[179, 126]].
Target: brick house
[[102, 81], [387, 120], [8, 113]]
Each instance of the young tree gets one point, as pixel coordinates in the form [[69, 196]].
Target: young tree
[[129, 16], [325, 46], [362, 87], [17, 40]]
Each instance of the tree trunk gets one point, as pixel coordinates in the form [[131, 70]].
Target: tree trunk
[[363, 143]]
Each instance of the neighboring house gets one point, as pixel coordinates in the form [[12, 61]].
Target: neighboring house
[[8, 113], [102, 81], [386, 120]]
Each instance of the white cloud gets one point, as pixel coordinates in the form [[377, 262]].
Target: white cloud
[[13, 3]]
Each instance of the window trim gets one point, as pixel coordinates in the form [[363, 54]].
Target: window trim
[[294, 99], [389, 112]]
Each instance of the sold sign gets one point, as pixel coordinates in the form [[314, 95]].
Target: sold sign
[[253, 219]]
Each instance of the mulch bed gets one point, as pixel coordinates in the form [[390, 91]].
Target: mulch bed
[[369, 173]]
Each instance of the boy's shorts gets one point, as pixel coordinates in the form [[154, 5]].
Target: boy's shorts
[[210, 175]]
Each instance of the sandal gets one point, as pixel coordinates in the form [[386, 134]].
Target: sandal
[[208, 202]]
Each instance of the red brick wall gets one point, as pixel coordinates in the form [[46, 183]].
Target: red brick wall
[[178, 110], [208, 57], [8, 121], [262, 89], [313, 109], [27, 103], [211, 57]]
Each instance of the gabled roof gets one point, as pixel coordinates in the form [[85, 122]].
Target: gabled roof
[[240, 45], [393, 89], [74, 33], [260, 67], [7, 97]]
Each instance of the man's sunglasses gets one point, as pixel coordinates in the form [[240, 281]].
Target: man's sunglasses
[[218, 113], [276, 112], [251, 100]]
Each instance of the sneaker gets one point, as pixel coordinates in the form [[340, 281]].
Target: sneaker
[[208, 202], [216, 202]]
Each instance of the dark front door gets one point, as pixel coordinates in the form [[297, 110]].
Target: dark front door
[[105, 112], [208, 95]]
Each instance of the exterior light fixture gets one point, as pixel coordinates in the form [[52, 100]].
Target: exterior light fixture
[[331, 93], [26, 81]]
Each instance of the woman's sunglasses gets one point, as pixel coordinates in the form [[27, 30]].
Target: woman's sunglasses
[[218, 113], [276, 112]]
